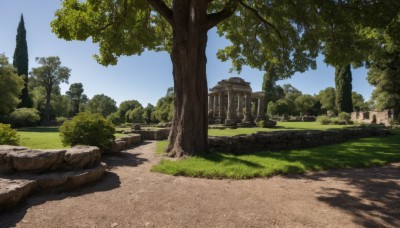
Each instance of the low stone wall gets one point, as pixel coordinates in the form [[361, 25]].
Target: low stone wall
[[284, 140], [126, 142], [157, 134], [22, 159]]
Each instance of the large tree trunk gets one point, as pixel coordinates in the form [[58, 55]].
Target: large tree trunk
[[189, 131]]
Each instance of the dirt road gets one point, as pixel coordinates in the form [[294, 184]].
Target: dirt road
[[130, 195]]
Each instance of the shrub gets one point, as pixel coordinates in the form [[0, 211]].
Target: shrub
[[344, 116], [61, 119], [266, 124], [324, 120], [337, 121], [25, 117], [8, 135], [88, 129], [114, 118]]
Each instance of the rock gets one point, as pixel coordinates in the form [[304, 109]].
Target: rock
[[136, 127], [136, 139], [35, 160], [118, 146], [82, 157], [13, 191], [84, 177], [128, 140]]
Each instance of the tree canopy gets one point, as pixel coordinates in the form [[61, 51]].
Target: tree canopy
[[101, 104], [282, 35], [10, 86]]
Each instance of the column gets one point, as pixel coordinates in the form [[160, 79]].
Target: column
[[260, 110], [215, 100], [230, 111], [210, 107], [240, 107], [219, 104], [247, 114]]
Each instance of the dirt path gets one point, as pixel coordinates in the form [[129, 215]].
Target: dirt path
[[131, 196]]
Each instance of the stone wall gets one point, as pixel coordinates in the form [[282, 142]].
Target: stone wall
[[284, 140], [382, 117], [125, 142], [156, 134]]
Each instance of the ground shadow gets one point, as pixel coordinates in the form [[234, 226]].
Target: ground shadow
[[11, 217], [374, 198], [125, 158]]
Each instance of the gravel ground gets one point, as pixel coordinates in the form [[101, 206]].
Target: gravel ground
[[129, 195]]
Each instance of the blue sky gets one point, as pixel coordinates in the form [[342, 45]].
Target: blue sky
[[144, 78]]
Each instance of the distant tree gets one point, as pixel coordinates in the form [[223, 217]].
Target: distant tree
[[84, 101], [273, 92], [343, 89], [327, 98], [148, 113], [75, 94], [10, 86], [61, 105], [21, 62], [101, 104], [49, 75], [358, 102], [127, 106], [305, 104], [165, 106], [282, 107], [291, 92], [135, 115]]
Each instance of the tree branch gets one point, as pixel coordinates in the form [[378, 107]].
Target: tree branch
[[162, 9], [263, 20], [216, 18]]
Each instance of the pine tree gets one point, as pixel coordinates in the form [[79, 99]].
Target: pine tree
[[21, 62], [343, 80]]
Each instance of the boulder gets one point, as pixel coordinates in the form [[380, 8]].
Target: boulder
[[118, 146], [81, 157], [35, 160], [13, 191]]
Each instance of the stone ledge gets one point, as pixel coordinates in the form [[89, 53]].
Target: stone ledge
[[125, 142], [15, 188], [158, 134], [286, 140]]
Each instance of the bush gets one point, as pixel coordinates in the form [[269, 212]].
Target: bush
[[25, 117], [344, 116], [266, 124], [337, 121], [114, 118], [8, 135], [61, 119], [324, 120], [88, 129]]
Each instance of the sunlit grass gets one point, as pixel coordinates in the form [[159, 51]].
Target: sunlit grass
[[358, 153]]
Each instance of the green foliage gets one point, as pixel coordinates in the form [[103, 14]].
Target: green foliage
[[49, 75], [60, 120], [358, 102], [343, 80], [364, 152], [148, 114], [25, 117], [305, 104], [127, 106], [327, 98], [114, 118], [345, 117], [266, 124], [324, 120], [10, 86], [75, 95], [281, 107], [101, 104], [21, 61], [135, 115], [88, 129], [165, 107], [8, 136]]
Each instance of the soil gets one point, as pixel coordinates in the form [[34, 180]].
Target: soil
[[129, 195]]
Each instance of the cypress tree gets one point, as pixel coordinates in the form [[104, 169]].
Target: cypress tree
[[21, 62], [343, 80]]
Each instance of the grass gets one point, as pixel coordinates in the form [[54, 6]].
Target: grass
[[358, 153], [281, 126], [44, 138]]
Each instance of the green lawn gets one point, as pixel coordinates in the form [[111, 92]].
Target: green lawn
[[359, 153], [281, 126], [43, 138]]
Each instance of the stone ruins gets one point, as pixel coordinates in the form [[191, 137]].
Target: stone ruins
[[373, 117], [230, 101]]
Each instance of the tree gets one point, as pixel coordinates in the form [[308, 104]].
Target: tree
[[135, 115], [273, 92], [127, 106], [281, 107], [101, 104], [148, 113], [165, 106], [75, 94], [285, 32], [49, 75], [343, 89], [21, 62], [358, 102], [327, 97], [10, 86], [305, 104]]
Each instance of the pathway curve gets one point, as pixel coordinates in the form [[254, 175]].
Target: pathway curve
[[130, 195]]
